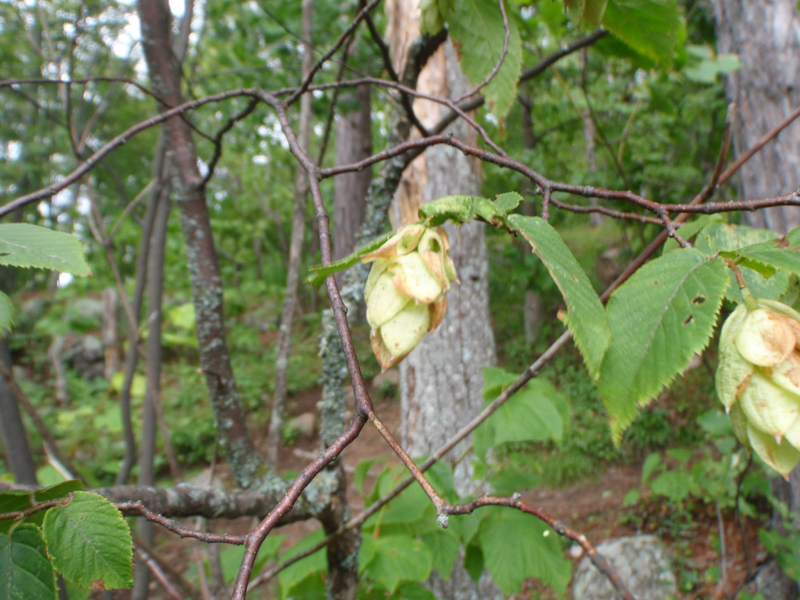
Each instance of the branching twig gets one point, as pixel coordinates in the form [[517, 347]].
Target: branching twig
[[184, 532], [336, 45]]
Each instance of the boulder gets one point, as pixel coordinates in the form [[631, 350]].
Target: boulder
[[305, 424], [643, 563]]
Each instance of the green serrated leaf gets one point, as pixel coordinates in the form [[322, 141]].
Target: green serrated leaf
[[53, 492], [473, 562], [394, 558], [527, 416], [23, 245], [476, 29], [6, 313], [25, 569], [535, 551], [59, 490], [659, 319], [13, 501], [586, 316], [444, 545], [648, 26], [782, 253], [459, 209], [361, 471], [320, 273], [293, 575], [508, 201], [720, 237], [691, 228], [89, 541]]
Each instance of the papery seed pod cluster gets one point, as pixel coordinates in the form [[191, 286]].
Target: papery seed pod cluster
[[758, 380], [405, 290]]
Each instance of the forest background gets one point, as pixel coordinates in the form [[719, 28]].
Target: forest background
[[127, 376]]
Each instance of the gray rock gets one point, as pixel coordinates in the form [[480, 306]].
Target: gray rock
[[32, 310], [90, 309], [773, 584], [643, 563], [87, 356], [305, 424]]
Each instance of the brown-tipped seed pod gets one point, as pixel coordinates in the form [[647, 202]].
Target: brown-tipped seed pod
[[405, 290], [758, 380]]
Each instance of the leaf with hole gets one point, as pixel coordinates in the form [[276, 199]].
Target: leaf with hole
[[661, 317]]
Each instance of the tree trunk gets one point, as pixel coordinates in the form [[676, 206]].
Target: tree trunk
[[353, 143], [12, 431], [441, 380], [295, 255], [246, 463], [766, 36], [147, 446]]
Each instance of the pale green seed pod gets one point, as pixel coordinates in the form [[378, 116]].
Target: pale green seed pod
[[405, 290], [769, 407], [764, 338], [783, 457], [758, 380]]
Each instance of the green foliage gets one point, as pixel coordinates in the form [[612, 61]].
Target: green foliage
[[661, 317], [650, 27], [534, 553], [309, 568], [532, 414], [476, 28], [390, 559], [586, 317], [85, 539], [23, 245], [727, 240], [25, 569], [90, 541]]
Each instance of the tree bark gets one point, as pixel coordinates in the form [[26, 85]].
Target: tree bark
[[353, 143], [441, 380], [12, 431], [766, 36]]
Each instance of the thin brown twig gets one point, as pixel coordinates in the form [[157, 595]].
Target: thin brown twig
[[24, 514], [336, 45], [174, 527], [614, 214]]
